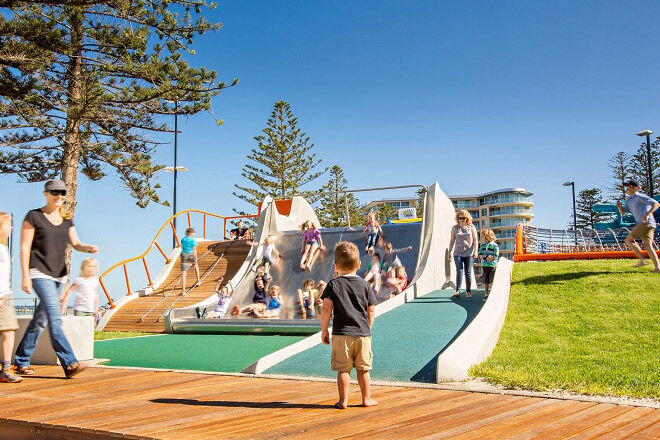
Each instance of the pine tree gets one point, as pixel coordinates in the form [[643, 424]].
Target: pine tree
[[83, 84], [332, 212], [283, 157], [585, 201], [421, 195], [639, 169], [386, 213], [619, 165]]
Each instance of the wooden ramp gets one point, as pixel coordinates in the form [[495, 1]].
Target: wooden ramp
[[128, 317], [105, 403]]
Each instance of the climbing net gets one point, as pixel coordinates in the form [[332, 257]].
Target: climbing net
[[534, 240]]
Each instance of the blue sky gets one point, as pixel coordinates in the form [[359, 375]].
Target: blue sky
[[475, 95]]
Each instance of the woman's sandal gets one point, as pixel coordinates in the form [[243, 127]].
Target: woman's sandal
[[468, 294], [457, 294]]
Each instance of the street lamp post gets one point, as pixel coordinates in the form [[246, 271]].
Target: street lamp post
[[572, 185], [648, 134]]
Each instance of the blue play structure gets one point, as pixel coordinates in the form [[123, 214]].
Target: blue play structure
[[619, 221]]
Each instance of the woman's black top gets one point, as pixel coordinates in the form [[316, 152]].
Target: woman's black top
[[49, 244]]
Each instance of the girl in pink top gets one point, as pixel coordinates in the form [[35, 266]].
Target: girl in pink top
[[312, 243]]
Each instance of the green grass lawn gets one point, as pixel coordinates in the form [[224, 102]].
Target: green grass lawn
[[590, 327], [100, 336]]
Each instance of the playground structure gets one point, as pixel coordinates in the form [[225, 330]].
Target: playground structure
[[541, 244], [430, 270]]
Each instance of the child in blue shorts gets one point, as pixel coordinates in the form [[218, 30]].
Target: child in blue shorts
[[188, 258]]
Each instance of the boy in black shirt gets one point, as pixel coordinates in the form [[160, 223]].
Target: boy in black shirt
[[352, 301]]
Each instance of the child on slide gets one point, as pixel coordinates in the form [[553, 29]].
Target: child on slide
[[270, 256], [307, 298], [274, 308], [372, 228], [224, 295], [312, 244], [375, 271]]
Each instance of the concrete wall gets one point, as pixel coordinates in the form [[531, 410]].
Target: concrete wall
[[478, 340], [79, 330]]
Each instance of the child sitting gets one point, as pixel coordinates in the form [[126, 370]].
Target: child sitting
[[86, 287], [318, 304], [259, 300], [306, 299], [391, 259], [261, 273], [489, 253], [396, 281], [375, 271], [372, 228], [274, 308], [224, 295]]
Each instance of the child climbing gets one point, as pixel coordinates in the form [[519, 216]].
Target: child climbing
[[188, 258]]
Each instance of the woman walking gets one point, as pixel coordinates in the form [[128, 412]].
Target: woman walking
[[45, 234], [464, 241]]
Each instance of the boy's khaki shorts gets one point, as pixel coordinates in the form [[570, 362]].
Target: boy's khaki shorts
[[8, 320], [642, 232], [350, 352]]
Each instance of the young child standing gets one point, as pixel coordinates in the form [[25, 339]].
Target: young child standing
[[8, 321], [489, 252], [86, 287], [372, 228], [188, 258], [352, 302]]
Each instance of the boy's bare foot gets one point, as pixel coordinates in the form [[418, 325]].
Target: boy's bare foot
[[341, 405], [641, 263], [369, 402]]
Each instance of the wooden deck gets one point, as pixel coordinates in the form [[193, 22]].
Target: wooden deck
[[121, 403], [233, 255]]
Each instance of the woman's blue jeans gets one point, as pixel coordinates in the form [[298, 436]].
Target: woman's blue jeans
[[463, 264], [48, 312]]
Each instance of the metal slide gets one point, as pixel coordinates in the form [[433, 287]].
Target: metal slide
[[288, 276]]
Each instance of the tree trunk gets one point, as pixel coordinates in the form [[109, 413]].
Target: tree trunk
[[72, 146]]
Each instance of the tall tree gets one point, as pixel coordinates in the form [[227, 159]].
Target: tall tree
[[386, 213], [332, 212], [639, 168], [585, 201], [619, 165], [83, 84], [282, 161]]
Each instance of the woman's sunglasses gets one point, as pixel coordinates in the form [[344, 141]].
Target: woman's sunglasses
[[462, 218], [57, 192]]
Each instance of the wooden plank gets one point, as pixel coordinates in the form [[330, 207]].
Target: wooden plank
[[611, 425]]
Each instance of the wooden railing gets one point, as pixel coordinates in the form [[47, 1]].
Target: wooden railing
[[154, 243]]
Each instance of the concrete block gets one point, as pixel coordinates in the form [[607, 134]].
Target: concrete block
[[79, 330]]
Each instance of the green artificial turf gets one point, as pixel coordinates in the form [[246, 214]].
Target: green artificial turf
[[591, 327], [101, 335], [227, 353], [406, 341]]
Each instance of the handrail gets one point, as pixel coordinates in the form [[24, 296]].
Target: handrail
[[168, 222]]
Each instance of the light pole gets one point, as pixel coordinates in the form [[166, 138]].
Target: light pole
[[572, 185], [174, 170], [648, 134]]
